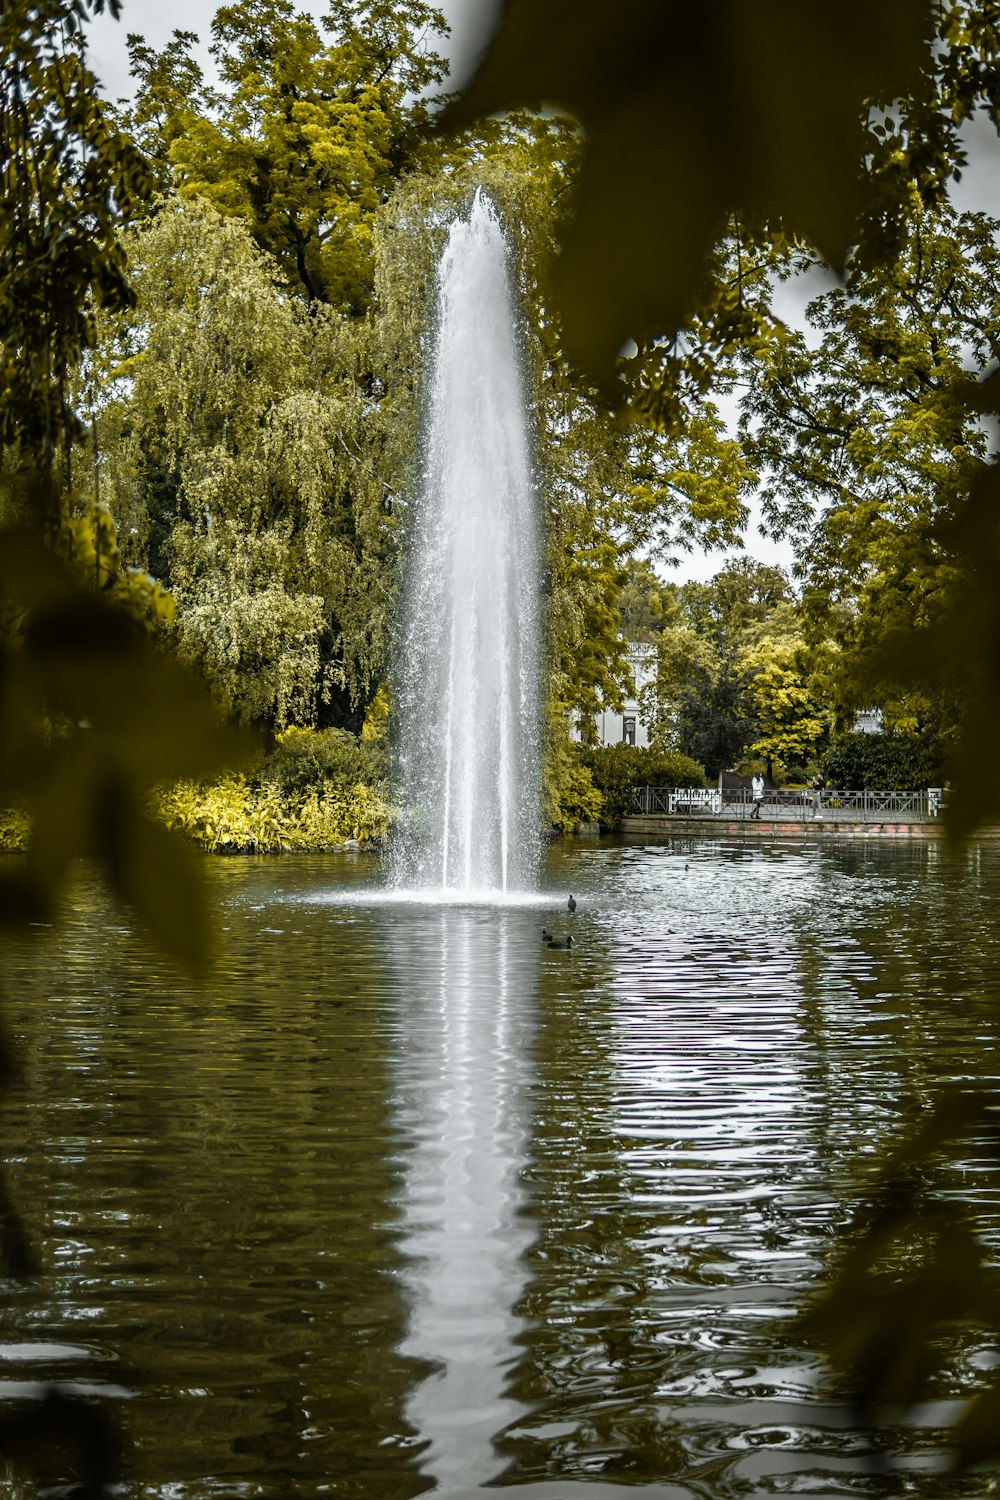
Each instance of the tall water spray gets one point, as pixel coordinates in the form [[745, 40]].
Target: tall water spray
[[468, 673]]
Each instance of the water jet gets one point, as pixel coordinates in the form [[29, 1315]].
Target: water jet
[[467, 676]]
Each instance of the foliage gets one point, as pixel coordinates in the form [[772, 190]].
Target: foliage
[[913, 1280], [869, 444], [884, 762], [770, 104], [646, 607], [714, 717], [685, 660], [617, 770], [743, 595], [792, 718], [239, 815], [569, 796], [735, 674], [67, 177], [93, 713], [302, 757], [313, 790], [15, 829], [241, 466], [303, 138]]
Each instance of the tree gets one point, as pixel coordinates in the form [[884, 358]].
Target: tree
[[836, 131], [714, 717], [735, 675], [868, 443], [791, 720], [239, 461], [303, 139], [67, 179], [774, 112], [644, 603]]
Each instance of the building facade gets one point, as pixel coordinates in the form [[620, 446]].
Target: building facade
[[626, 727]]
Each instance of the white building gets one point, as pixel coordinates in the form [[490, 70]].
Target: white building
[[626, 727]]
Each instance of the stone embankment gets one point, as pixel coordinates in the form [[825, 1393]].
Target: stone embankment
[[816, 828]]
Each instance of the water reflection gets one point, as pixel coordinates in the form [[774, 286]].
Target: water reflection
[[407, 1202], [464, 1071]]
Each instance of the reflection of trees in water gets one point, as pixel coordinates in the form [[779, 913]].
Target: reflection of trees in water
[[212, 1178], [896, 971], [707, 1102]]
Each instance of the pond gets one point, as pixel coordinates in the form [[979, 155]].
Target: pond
[[405, 1201]]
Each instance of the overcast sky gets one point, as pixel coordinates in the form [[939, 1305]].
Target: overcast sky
[[157, 21], [470, 21]]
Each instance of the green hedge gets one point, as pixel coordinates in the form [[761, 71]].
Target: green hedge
[[304, 758], [884, 762], [617, 769]]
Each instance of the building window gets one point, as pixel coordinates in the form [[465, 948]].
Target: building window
[[628, 729]]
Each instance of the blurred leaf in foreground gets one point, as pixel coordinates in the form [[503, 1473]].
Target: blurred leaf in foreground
[[692, 112], [913, 1278], [92, 713]]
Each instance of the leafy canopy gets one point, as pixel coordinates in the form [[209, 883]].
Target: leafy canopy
[[303, 138], [691, 113]]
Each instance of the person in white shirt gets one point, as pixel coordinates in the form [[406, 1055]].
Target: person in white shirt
[[757, 789]]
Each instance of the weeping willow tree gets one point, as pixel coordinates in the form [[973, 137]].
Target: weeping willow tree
[[241, 463]]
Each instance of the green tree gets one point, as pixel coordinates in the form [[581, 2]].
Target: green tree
[[714, 717], [67, 178], [791, 719], [240, 463], [897, 761], [810, 128], [304, 138], [735, 675], [864, 432]]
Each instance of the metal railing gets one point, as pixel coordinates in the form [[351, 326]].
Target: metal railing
[[790, 806]]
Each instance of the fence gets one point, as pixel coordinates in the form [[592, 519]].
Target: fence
[[790, 806]]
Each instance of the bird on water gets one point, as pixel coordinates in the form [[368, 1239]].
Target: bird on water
[[546, 936], [566, 945], [571, 903]]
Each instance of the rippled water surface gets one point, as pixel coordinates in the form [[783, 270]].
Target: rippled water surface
[[403, 1200]]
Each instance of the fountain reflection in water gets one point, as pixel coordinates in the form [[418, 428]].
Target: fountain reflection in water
[[464, 1095], [467, 677]]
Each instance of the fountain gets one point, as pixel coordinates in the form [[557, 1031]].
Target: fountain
[[468, 671]]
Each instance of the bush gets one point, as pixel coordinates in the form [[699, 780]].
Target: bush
[[307, 757], [315, 790], [571, 798], [617, 769], [13, 830], [235, 816], [884, 762]]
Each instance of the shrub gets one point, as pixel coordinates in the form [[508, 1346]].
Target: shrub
[[571, 798], [307, 757], [884, 762], [13, 830], [315, 790], [617, 769], [235, 816]]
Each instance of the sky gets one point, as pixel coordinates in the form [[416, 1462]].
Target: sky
[[157, 21], [470, 21]]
